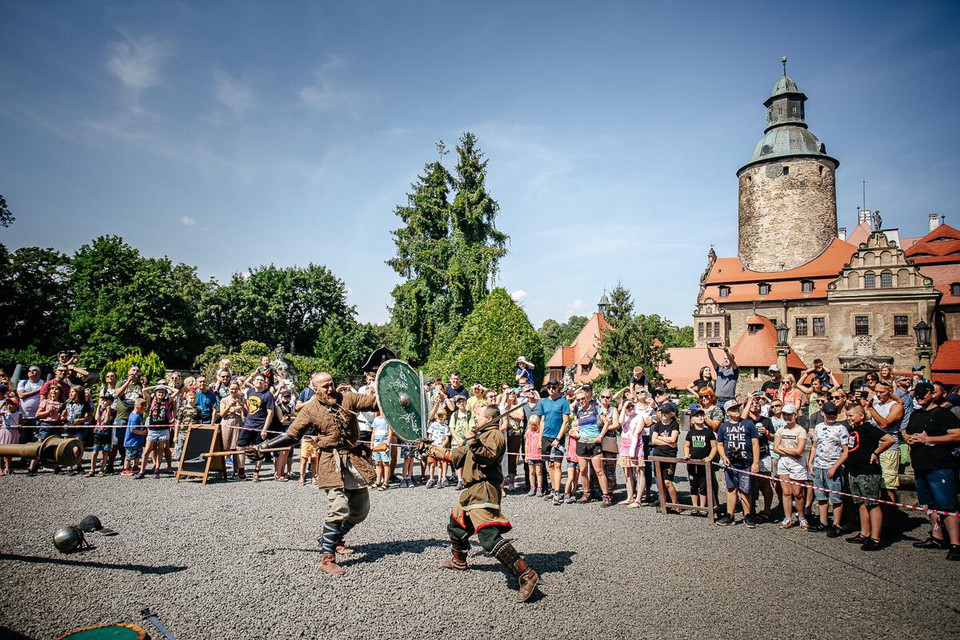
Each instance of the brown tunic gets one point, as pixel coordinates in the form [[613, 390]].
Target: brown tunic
[[336, 431], [481, 460]]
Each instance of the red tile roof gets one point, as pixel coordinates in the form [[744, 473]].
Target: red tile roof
[[943, 276], [758, 349], [582, 350], [684, 366], [860, 234], [940, 246], [945, 367], [827, 265]]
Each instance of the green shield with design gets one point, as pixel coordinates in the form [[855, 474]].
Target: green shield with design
[[400, 397]]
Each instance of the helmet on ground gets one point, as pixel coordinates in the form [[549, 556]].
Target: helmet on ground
[[67, 539], [90, 523]]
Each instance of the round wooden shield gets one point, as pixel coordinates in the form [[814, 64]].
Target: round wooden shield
[[400, 398], [108, 632]]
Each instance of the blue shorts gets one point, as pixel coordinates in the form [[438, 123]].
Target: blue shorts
[[821, 482], [158, 435], [102, 441], [119, 433], [742, 482], [381, 456], [133, 453], [407, 451], [46, 430], [937, 489]]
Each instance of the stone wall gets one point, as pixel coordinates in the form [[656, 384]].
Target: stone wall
[[788, 213]]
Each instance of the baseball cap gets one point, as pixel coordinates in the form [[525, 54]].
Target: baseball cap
[[730, 404], [922, 389], [828, 408], [774, 367], [659, 391], [695, 409], [462, 399], [527, 387], [668, 407], [788, 408], [917, 368]]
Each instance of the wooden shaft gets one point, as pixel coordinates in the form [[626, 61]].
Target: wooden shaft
[[240, 452]]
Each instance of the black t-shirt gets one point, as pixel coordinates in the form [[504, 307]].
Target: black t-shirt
[[258, 403], [664, 431], [452, 393], [863, 441], [936, 422], [700, 440], [764, 443]]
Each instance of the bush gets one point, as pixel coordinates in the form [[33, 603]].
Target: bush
[[255, 348], [247, 360], [10, 358], [150, 365], [493, 336]]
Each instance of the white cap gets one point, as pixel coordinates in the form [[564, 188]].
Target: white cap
[[729, 404], [788, 408], [774, 367]]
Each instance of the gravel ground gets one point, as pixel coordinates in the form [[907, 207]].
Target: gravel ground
[[237, 560]]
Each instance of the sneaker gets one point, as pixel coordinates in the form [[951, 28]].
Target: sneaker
[[725, 521], [815, 527], [548, 495], [510, 486], [126, 472], [460, 485], [930, 543], [871, 545], [443, 484], [139, 476], [787, 523], [532, 492], [429, 484], [569, 499], [750, 521], [557, 500], [804, 524], [156, 476], [101, 474], [539, 493], [954, 553], [834, 531], [88, 474], [858, 539]]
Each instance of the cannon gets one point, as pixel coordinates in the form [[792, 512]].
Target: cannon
[[54, 451]]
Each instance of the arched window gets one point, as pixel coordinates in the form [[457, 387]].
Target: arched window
[[806, 286], [869, 281], [886, 279]]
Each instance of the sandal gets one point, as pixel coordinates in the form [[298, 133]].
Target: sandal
[[632, 505], [302, 482], [256, 476]]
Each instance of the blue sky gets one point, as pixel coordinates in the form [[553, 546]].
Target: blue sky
[[230, 134]]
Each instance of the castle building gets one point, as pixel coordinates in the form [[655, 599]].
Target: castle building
[[856, 301]]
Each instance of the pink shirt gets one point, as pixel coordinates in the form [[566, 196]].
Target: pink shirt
[[533, 446]]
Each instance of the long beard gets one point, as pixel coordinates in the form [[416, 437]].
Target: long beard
[[328, 399]]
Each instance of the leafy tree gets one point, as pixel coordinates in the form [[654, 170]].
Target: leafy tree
[[345, 345], [493, 336], [448, 252], [554, 334], [246, 359], [6, 216], [628, 342], [287, 306], [150, 365], [35, 300]]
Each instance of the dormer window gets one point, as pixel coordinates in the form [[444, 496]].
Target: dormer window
[[763, 289], [806, 286], [955, 289], [754, 328], [724, 291]]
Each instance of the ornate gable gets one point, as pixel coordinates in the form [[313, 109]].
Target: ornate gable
[[880, 267]]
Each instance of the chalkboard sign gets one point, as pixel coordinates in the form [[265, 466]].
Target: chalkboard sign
[[202, 439]]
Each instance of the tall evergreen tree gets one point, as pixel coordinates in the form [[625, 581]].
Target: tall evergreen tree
[[628, 342]]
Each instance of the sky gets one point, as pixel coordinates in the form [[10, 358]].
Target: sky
[[232, 134]]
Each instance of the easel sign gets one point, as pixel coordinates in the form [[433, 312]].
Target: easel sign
[[202, 439]]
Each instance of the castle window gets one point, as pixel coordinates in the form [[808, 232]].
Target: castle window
[[724, 291], [869, 281], [699, 329], [716, 329], [763, 289], [709, 329], [806, 286], [886, 279], [786, 171], [801, 324], [819, 327], [955, 289], [779, 111], [752, 329], [900, 326], [861, 325]]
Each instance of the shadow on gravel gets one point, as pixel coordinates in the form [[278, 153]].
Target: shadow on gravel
[[12, 635], [142, 568], [541, 562], [371, 552]]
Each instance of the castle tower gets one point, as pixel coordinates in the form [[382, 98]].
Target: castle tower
[[788, 199]]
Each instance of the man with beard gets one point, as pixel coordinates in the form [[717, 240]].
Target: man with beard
[[343, 469]]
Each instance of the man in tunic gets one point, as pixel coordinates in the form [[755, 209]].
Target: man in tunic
[[478, 510], [343, 469]]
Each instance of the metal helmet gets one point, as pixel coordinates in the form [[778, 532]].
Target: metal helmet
[[67, 539], [90, 523]]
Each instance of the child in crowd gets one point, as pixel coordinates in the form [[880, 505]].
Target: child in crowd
[[11, 418], [789, 443], [440, 437], [102, 435], [534, 458], [573, 462], [631, 427], [739, 445], [700, 444], [134, 439], [309, 455], [49, 421], [76, 413], [158, 420], [380, 445], [827, 455], [407, 454], [867, 442], [188, 415], [461, 421]]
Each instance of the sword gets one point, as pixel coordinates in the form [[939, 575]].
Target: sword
[[152, 618]]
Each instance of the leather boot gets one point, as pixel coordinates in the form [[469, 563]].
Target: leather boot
[[527, 578], [457, 562], [328, 564], [344, 551]]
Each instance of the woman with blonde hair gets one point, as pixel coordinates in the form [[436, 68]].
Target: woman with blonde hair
[[788, 392]]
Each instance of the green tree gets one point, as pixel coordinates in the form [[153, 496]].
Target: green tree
[[553, 334], [150, 365], [629, 341], [493, 336], [41, 300], [447, 252], [345, 345], [6, 216]]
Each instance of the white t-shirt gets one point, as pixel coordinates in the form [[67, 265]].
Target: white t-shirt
[[30, 405], [438, 433], [830, 440], [365, 418]]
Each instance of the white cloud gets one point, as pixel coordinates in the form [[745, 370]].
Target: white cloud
[[136, 61], [328, 94], [518, 295], [232, 93], [187, 221], [573, 308]]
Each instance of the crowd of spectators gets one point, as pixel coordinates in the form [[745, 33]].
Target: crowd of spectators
[[802, 450]]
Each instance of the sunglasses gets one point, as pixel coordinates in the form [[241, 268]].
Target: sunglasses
[[606, 397], [836, 397]]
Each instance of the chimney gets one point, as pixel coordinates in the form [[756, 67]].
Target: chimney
[[842, 233], [933, 221], [864, 216]]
